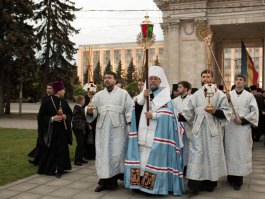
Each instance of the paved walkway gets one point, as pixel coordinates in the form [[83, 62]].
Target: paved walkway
[[81, 182], [18, 123], [24, 122]]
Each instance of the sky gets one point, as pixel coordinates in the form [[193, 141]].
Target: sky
[[113, 27]]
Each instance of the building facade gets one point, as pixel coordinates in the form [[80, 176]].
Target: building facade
[[124, 52], [116, 52], [230, 20]]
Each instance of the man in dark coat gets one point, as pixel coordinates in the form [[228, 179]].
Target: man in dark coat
[[256, 131], [54, 128], [35, 152], [89, 147]]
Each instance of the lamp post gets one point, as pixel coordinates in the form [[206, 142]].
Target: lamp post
[[145, 39], [20, 94]]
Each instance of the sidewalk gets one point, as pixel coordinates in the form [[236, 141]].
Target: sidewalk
[[81, 182], [26, 122], [18, 123]]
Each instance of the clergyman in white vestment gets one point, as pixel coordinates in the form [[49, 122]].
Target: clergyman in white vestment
[[238, 138], [206, 162], [112, 107]]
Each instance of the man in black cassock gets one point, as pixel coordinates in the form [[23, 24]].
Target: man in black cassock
[[35, 152], [257, 131], [54, 128], [90, 148]]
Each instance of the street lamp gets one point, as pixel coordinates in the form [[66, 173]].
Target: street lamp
[[145, 39]]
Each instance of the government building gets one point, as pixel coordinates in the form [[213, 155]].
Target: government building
[[124, 52], [182, 55]]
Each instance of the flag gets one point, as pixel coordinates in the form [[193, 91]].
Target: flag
[[247, 67]]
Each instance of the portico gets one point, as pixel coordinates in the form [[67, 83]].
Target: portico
[[231, 21]]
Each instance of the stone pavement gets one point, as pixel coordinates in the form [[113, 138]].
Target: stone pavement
[[18, 123], [81, 182]]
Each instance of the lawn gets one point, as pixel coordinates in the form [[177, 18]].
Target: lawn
[[15, 144]]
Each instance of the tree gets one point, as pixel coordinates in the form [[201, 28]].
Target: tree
[[120, 71], [108, 67], [54, 18], [17, 42], [97, 74], [131, 72]]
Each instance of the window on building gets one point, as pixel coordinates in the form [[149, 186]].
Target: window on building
[[117, 58], [139, 58], [232, 63], [151, 56], [106, 57], [85, 60], [160, 55], [96, 58], [128, 57]]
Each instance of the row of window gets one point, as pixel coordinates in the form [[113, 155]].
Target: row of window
[[128, 57]]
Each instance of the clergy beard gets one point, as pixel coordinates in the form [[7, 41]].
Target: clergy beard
[[109, 88], [239, 89], [154, 89]]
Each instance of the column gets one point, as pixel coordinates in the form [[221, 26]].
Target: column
[[263, 69], [80, 65], [174, 50], [112, 59], [101, 58], [164, 27]]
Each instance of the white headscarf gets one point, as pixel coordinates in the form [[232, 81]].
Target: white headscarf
[[163, 97]]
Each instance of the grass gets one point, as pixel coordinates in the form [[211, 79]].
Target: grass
[[15, 144]]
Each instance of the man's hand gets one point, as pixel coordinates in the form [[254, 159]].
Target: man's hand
[[57, 118], [90, 108], [212, 111], [146, 93], [148, 115], [64, 117], [237, 120]]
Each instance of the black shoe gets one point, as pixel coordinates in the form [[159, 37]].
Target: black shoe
[[100, 188], [84, 161], [210, 189], [237, 187], [58, 174], [33, 162], [195, 192], [78, 163]]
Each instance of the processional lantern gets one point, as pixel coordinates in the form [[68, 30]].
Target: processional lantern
[[145, 39]]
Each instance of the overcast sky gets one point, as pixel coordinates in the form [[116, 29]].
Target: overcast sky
[[113, 27]]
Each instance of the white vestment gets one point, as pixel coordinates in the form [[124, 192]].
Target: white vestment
[[206, 151], [179, 104], [238, 138], [146, 133], [113, 111]]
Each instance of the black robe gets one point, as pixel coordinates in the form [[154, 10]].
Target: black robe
[[54, 154], [90, 148], [35, 152]]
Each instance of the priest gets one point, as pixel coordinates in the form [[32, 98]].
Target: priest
[[154, 163], [54, 128], [180, 103], [238, 140], [112, 107], [206, 162]]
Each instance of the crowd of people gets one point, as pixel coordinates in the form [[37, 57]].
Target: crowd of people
[[153, 140]]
